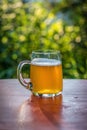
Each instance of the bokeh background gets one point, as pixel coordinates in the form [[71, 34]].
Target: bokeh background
[[27, 25]]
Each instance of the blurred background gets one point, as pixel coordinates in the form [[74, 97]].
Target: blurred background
[[27, 25]]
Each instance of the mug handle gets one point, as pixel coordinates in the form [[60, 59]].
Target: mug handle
[[26, 84]]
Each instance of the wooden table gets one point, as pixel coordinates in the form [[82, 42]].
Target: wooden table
[[20, 110]]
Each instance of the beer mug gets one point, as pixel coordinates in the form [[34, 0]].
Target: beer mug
[[45, 73]]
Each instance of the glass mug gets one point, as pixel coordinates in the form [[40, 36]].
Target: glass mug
[[45, 73]]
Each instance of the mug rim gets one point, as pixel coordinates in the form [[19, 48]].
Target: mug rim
[[49, 51]]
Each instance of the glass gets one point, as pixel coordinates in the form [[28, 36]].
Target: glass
[[45, 73]]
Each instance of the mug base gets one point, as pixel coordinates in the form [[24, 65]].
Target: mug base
[[47, 95]]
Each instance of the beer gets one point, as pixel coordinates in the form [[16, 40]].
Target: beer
[[46, 76], [45, 73]]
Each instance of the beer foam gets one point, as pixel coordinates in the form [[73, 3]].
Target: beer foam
[[45, 62]]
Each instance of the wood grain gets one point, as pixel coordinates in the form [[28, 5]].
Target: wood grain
[[20, 110]]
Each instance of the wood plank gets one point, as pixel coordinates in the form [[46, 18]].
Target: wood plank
[[20, 110]]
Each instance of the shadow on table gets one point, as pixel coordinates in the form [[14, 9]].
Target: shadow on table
[[37, 111], [51, 109]]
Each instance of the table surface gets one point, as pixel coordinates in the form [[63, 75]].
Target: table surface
[[20, 110]]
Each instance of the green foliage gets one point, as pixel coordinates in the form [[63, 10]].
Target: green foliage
[[25, 27]]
